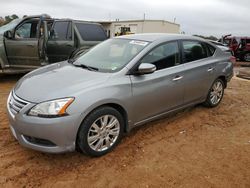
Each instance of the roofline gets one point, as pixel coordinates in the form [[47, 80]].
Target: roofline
[[37, 16], [160, 36], [58, 19], [142, 20]]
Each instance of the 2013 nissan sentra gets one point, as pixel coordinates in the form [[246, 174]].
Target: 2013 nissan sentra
[[87, 104]]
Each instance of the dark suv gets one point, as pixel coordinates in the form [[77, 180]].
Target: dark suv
[[31, 42]]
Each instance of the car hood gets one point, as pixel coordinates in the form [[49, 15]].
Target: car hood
[[58, 80]]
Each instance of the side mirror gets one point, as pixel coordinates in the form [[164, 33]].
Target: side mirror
[[8, 34], [146, 68]]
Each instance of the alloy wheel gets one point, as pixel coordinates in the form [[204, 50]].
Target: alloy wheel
[[103, 133], [247, 57], [216, 93]]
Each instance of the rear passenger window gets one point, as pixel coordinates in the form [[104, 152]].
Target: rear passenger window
[[211, 49], [61, 31], [194, 50], [91, 32], [164, 56]]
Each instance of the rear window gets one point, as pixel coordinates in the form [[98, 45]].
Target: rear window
[[194, 50], [91, 32]]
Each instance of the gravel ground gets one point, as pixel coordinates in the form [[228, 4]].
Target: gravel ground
[[198, 147]]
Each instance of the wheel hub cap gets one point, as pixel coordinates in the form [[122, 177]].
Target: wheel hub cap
[[216, 93], [247, 57], [103, 133]]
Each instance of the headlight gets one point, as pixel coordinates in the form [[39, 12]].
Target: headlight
[[53, 108]]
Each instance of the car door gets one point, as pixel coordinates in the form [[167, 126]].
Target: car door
[[199, 70], [161, 91], [60, 44], [22, 48]]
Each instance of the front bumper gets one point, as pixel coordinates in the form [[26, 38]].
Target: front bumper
[[51, 135]]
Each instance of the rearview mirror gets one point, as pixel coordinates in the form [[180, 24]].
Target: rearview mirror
[[8, 34], [146, 68]]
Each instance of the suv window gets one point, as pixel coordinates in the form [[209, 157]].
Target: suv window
[[27, 30], [193, 50], [61, 31], [91, 32], [164, 56]]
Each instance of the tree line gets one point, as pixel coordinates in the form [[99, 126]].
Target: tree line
[[8, 19]]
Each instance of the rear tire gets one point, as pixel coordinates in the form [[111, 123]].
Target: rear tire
[[100, 132], [247, 57], [215, 94]]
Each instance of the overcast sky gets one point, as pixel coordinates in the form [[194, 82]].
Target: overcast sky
[[205, 17]]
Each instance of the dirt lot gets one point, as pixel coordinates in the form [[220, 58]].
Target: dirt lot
[[199, 147]]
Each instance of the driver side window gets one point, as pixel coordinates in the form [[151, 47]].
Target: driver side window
[[164, 56], [27, 30]]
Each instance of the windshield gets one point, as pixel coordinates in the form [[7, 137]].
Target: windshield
[[9, 26], [111, 55]]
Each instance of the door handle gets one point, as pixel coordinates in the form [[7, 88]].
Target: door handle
[[177, 78], [210, 69]]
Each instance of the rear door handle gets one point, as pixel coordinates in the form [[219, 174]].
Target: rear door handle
[[210, 69], [177, 78]]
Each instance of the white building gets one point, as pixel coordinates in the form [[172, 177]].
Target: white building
[[140, 26]]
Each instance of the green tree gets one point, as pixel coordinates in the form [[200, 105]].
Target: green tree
[[14, 16], [7, 19], [1, 21]]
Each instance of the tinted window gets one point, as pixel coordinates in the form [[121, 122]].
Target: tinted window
[[91, 32], [164, 56], [211, 49], [193, 50], [27, 30], [61, 31]]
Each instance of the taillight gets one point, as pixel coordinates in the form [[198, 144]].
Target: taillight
[[232, 59]]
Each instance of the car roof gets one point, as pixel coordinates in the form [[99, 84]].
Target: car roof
[[151, 37]]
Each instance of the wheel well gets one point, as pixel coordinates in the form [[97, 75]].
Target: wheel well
[[123, 112], [223, 78], [120, 109]]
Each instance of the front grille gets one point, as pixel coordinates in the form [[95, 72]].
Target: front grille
[[16, 104], [39, 141]]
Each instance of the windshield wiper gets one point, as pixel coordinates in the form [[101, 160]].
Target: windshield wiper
[[86, 67]]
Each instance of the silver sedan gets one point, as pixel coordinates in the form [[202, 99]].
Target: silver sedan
[[88, 103]]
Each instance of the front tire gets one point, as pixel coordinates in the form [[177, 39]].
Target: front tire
[[100, 132], [215, 94]]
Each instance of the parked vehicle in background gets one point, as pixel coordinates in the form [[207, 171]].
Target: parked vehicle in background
[[87, 105], [240, 46], [124, 31], [31, 42]]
